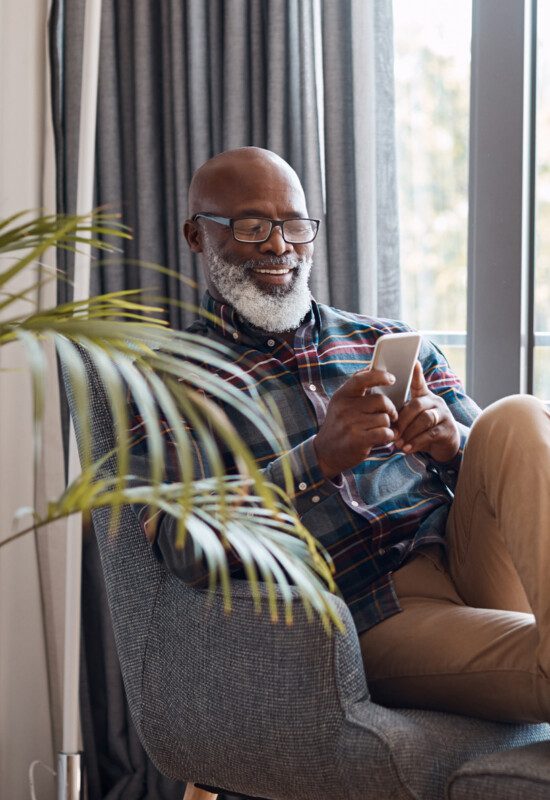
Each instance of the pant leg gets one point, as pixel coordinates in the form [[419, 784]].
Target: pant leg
[[441, 654], [499, 526], [477, 658]]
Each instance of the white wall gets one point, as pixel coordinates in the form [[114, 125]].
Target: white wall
[[26, 726]]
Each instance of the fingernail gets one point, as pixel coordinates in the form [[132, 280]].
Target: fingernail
[[391, 377], [407, 448]]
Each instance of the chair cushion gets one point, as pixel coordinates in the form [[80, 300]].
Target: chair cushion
[[426, 748], [517, 774]]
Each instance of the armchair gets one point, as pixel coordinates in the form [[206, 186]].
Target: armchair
[[275, 711]]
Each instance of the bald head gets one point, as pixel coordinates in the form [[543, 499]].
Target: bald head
[[265, 279], [238, 177]]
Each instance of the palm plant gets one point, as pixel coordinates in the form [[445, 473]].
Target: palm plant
[[134, 351]]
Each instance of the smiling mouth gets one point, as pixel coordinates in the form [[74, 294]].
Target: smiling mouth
[[281, 271]]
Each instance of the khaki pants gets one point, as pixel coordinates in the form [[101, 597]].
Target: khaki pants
[[474, 634]]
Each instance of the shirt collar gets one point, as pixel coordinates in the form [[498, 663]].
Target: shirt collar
[[228, 324]]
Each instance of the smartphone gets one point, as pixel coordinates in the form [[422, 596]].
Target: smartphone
[[396, 353]]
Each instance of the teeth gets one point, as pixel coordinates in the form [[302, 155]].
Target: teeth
[[272, 271]]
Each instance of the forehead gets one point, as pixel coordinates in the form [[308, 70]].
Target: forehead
[[255, 187]]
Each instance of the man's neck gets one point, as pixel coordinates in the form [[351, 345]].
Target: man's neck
[[287, 336]]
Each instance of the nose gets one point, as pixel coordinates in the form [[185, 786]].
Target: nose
[[276, 244]]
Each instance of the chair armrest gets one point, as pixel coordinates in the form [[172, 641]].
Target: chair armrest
[[279, 711], [236, 693]]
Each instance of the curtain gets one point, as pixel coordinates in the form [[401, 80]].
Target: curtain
[[181, 80]]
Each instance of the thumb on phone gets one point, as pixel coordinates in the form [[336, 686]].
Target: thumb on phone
[[419, 386]]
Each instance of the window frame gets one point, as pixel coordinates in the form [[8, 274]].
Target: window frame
[[500, 307]]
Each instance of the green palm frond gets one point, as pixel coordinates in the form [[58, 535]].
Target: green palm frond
[[273, 545], [133, 350], [32, 238]]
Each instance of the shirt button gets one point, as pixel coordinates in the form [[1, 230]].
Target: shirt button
[[312, 387], [315, 498], [302, 486], [235, 335], [354, 503], [381, 551], [271, 342]]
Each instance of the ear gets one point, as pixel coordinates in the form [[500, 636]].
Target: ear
[[192, 234]]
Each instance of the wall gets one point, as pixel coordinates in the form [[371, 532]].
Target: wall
[[26, 724]]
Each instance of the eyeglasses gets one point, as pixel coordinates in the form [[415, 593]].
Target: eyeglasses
[[258, 229]]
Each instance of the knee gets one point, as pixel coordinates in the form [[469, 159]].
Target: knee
[[517, 415], [516, 406]]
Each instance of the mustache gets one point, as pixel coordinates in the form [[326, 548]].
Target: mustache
[[273, 261]]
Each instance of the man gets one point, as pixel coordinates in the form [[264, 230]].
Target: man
[[451, 598]]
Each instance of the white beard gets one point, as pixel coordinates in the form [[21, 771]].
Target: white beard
[[281, 308]]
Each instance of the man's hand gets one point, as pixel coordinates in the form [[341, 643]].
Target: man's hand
[[356, 422], [425, 423]]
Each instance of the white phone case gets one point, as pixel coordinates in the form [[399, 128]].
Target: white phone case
[[396, 353]]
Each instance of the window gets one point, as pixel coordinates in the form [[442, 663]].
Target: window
[[432, 97], [466, 100]]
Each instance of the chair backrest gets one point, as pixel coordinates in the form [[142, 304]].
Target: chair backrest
[[206, 689], [132, 574]]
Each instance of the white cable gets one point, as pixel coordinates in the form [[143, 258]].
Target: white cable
[[31, 775]]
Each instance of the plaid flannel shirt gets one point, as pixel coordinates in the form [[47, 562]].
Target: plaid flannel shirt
[[375, 514]]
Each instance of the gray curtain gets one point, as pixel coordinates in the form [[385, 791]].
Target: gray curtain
[[181, 80]]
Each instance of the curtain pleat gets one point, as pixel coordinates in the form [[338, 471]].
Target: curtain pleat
[[182, 80], [341, 228]]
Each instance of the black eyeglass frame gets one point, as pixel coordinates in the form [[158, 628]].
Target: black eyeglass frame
[[230, 222]]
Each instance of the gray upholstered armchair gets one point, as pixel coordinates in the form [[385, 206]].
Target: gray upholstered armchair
[[234, 702]]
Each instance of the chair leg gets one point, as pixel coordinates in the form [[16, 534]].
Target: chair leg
[[193, 792]]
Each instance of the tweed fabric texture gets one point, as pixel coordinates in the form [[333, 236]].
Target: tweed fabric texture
[[425, 747], [132, 573], [284, 712], [520, 774], [263, 709]]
